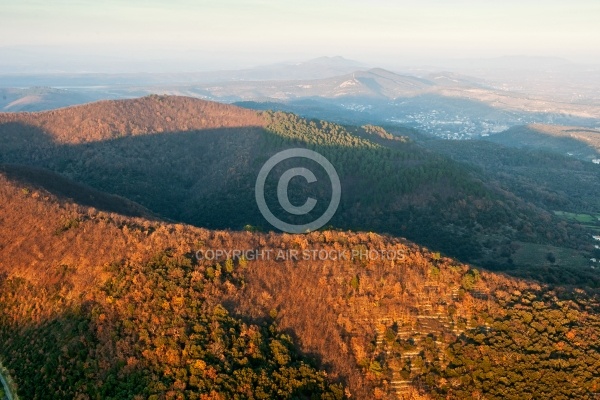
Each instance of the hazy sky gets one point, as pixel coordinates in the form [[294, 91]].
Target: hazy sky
[[182, 35]]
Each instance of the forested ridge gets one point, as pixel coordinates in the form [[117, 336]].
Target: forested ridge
[[577, 142], [97, 305], [196, 162]]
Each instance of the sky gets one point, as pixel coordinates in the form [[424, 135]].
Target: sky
[[187, 35]]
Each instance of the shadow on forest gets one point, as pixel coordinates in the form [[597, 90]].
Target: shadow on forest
[[206, 178]]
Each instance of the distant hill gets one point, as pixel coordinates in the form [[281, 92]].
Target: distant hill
[[106, 120], [318, 68], [42, 98], [441, 103], [374, 83], [578, 142], [366, 86]]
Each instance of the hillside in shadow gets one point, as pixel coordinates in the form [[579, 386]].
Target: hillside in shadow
[[35, 179], [580, 143], [206, 178], [203, 172]]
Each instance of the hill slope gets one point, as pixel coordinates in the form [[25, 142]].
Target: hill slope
[[66, 189], [375, 83], [116, 307], [577, 142], [197, 162]]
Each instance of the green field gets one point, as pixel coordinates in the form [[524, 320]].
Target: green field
[[589, 221], [595, 228], [582, 218], [535, 254]]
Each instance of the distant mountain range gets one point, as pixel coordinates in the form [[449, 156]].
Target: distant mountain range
[[318, 68], [331, 80]]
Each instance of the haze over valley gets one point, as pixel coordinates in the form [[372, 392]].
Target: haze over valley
[[442, 103]]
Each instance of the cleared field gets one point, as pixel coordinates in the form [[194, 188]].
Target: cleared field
[[537, 254], [583, 218], [595, 228]]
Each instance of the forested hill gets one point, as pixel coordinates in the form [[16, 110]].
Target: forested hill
[[576, 142], [97, 305], [196, 162], [105, 120]]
